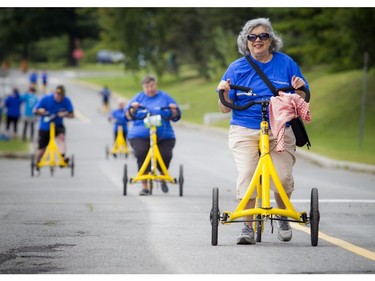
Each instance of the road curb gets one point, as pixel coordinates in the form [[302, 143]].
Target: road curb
[[331, 163]]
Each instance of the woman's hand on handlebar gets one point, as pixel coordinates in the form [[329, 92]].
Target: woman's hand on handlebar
[[170, 112], [131, 111], [298, 82], [225, 87]]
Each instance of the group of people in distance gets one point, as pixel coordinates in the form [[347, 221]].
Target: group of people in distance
[[19, 107]]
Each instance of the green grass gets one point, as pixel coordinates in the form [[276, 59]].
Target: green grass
[[16, 145], [335, 107]]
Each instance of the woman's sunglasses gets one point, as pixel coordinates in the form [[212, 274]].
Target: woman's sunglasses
[[262, 36]]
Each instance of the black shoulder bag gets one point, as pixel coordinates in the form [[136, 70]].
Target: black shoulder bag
[[298, 127]]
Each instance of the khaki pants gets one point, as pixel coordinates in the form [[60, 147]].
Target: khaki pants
[[244, 144]]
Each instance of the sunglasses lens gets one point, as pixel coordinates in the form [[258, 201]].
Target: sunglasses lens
[[252, 37], [264, 36]]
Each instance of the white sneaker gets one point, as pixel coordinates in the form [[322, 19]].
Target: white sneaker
[[247, 236], [285, 231]]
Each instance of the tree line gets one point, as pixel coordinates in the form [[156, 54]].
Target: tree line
[[163, 39]]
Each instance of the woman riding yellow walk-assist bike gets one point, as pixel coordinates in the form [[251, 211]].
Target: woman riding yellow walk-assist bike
[[260, 182], [52, 156], [153, 170]]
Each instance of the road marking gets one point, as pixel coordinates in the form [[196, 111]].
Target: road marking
[[340, 243], [81, 117], [332, 200]]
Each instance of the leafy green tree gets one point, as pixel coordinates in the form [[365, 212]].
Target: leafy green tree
[[21, 27]]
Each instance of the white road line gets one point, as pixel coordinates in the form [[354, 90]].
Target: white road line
[[81, 117], [360, 201]]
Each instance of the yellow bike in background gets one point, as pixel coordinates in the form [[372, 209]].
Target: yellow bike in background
[[153, 157], [51, 156], [119, 147]]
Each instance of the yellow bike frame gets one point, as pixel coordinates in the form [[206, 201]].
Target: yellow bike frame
[[154, 157], [52, 155], [105, 108], [120, 145], [261, 182]]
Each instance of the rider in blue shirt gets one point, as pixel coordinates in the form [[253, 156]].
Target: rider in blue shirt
[[55, 106], [258, 41], [106, 94], [119, 118], [139, 136]]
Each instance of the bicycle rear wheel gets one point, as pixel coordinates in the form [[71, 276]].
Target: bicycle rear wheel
[[181, 180], [215, 216], [314, 217], [259, 225], [125, 179]]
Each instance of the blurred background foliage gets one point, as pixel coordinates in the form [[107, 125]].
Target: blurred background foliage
[[163, 39]]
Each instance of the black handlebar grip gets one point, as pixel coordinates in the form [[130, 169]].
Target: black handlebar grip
[[241, 88], [231, 105]]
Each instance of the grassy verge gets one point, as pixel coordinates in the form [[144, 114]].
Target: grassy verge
[[335, 107], [16, 145]]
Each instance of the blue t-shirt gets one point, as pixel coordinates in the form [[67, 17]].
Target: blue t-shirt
[[106, 93], [30, 101], [121, 120], [279, 71], [33, 78], [13, 105], [153, 104], [44, 78], [53, 107]]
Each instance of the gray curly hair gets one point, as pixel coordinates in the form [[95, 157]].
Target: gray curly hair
[[276, 41]]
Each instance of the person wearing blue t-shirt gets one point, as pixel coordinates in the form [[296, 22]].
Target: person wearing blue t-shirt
[[33, 78], [55, 106], [118, 117], [13, 111], [139, 136], [30, 100], [44, 80], [106, 94], [258, 41]]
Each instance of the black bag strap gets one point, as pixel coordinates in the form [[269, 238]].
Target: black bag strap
[[293, 122], [262, 75]]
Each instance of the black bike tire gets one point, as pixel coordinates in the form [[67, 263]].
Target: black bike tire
[[32, 164], [215, 216], [181, 180], [125, 179], [259, 225], [314, 217]]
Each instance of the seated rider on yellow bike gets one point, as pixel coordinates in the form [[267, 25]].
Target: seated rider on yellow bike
[[118, 117], [139, 136], [55, 106]]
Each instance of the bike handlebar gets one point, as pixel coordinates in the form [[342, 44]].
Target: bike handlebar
[[140, 107], [251, 103]]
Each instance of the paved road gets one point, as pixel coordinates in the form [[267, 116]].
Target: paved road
[[83, 224]]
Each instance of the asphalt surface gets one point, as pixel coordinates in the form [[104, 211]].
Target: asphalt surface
[[83, 224]]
